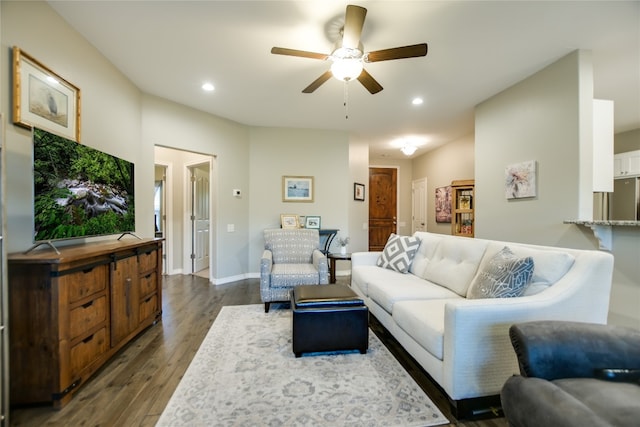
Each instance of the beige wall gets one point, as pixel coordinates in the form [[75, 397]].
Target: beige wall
[[277, 152], [627, 141], [110, 119], [542, 118], [452, 161]]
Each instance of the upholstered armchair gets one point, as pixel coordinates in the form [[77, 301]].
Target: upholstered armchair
[[573, 374], [291, 257]]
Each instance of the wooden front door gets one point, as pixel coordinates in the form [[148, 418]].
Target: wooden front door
[[382, 206]]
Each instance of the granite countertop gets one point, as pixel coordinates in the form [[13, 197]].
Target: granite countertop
[[615, 222]]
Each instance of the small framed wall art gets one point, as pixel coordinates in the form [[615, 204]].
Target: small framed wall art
[[358, 192], [312, 222], [520, 180], [43, 99], [297, 189], [289, 221]]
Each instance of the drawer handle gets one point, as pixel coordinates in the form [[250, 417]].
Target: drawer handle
[[87, 270], [148, 299], [87, 339], [147, 276], [87, 305]]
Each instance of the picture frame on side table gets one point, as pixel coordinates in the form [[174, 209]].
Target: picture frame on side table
[[297, 189], [43, 99], [289, 221], [358, 192], [312, 222]]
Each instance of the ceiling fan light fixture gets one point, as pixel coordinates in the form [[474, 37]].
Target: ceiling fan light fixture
[[346, 69], [347, 63]]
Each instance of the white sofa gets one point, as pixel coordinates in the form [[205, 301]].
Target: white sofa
[[463, 343]]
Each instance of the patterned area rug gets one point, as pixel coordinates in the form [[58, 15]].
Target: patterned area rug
[[245, 374]]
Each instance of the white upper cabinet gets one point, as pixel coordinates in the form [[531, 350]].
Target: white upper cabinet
[[626, 164]]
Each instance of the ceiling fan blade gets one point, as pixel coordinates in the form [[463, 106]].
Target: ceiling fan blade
[[397, 53], [369, 82], [353, 23], [317, 82], [295, 52]]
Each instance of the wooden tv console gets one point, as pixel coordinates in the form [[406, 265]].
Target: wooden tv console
[[69, 312]]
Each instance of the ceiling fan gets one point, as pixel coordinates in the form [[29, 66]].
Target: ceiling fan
[[349, 57]]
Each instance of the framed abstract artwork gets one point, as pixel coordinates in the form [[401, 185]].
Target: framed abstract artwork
[[358, 192], [443, 204], [520, 180]]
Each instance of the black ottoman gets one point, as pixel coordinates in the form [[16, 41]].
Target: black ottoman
[[328, 318]]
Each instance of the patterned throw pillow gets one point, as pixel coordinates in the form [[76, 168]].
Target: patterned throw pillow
[[504, 276], [398, 253]]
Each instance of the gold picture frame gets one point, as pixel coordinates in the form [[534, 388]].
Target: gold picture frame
[[297, 189], [43, 99], [289, 221]]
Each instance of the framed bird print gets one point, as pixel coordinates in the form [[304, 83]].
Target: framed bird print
[[43, 99]]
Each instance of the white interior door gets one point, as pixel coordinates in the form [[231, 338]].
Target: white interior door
[[419, 205], [200, 217]]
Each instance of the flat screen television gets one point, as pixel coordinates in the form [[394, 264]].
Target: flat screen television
[[79, 191]]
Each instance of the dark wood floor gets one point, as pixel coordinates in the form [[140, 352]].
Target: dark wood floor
[[133, 388]]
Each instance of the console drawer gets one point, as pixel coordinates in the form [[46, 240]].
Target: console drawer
[[148, 307], [148, 260], [87, 350], [85, 282], [87, 316], [148, 284]]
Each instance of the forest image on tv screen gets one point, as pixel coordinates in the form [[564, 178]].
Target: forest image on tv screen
[[79, 191]]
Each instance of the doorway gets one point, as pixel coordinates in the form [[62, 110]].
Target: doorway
[[419, 204], [383, 206], [189, 225], [200, 216]]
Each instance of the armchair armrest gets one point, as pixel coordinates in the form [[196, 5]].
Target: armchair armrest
[[266, 264], [320, 263], [561, 349]]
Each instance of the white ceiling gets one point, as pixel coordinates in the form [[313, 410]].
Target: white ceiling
[[476, 49]]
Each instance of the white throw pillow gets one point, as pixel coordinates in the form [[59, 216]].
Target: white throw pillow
[[398, 253], [504, 276]]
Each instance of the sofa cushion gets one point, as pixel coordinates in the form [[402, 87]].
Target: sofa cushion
[[424, 322], [398, 253], [549, 265], [504, 276], [455, 263], [404, 287], [428, 244]]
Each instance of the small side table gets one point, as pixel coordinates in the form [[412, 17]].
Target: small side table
[[333, 257]]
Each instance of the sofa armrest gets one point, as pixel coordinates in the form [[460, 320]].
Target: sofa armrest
[[552, 349], [364, 258]]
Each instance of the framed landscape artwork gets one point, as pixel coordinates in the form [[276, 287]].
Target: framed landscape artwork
[[43, 99], [289, 221], [312, 222], [297, 189]]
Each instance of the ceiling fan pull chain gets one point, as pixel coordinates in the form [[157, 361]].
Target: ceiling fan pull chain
[[346, 99]]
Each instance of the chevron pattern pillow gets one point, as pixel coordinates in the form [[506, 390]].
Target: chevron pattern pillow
[[398, 253], [504, 276]]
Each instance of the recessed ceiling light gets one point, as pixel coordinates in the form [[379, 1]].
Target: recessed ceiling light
[[417, 101], [207, 87]]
